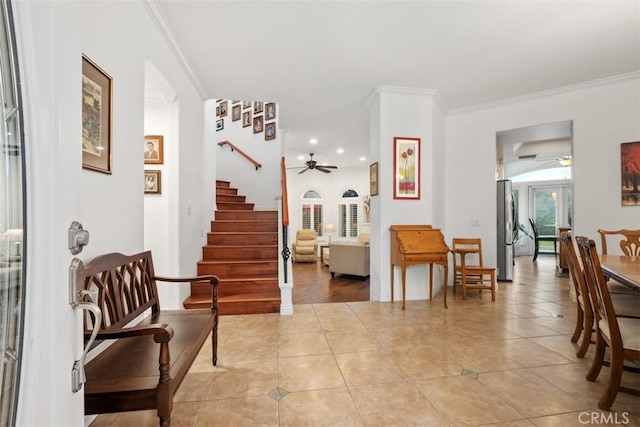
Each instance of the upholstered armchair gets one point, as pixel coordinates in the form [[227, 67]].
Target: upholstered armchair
[[305, 248]]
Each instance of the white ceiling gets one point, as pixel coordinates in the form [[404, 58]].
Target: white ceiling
[[320, 60]]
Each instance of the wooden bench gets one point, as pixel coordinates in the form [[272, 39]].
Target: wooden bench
[[145, 364]]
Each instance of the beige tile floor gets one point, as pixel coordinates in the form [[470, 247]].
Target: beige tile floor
[[507, 363]]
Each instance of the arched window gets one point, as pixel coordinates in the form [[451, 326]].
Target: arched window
[[348, 214], [312, 211]]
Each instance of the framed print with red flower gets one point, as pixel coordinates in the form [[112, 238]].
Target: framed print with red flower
[[406, 168]]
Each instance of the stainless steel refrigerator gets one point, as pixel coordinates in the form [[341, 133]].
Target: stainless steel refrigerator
[[506, 221]]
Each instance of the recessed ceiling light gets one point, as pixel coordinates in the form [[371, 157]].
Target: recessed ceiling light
[[339, 151], [300, 157], [313, 141], [363, 158]]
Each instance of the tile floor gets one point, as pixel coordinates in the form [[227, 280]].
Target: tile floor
[[507, 363]]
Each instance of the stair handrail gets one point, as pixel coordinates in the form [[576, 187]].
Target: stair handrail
[[242, 153], [285, 199]]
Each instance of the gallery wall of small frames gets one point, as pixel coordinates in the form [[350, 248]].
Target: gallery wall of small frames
[[257, 116]]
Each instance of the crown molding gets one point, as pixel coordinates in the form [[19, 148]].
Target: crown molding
[[403, 90], [158, 19], [542, 94]]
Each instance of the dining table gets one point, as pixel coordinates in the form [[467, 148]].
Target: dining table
[[623, 269]]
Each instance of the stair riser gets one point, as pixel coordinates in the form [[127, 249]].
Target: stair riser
[[266, 288], [242, 239], [234, 206], [262, 269], [241, 307], [245, 215], [244, 226], [227, 198], [218, 253], [226, 191], [226, 184]]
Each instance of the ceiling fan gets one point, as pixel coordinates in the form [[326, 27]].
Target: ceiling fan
[[312, 164]]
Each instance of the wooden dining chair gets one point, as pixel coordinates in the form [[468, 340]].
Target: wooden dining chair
[[584, 321], [628, 240], [537, 238], [629, 243], [468, 270], [620, 334]]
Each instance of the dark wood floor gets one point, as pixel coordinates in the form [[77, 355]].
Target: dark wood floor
[[313, 283]]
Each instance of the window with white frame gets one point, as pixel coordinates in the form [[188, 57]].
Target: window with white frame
[[348, 214], [312, 211]]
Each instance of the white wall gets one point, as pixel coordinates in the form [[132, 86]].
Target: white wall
[[52, 36], [605, 114]]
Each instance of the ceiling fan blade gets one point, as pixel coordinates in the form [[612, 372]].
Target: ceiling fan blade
[[297, 167], [322, 169], [329, 167], [303, 171]]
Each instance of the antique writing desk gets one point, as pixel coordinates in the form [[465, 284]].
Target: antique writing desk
[[417, 244]]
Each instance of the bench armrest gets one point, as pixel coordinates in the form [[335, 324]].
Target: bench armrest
[[161, 332], [210, 278]]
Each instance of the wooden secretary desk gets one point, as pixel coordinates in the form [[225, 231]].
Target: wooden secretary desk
[[417, 244]]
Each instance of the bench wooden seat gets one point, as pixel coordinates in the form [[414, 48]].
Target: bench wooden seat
[[145, 364]]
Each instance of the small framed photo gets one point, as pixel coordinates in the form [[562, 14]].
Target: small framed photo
[[152, 181], [270, 111], [246, 119], [257, 107], [246, 104], [96, 117], [373, 179], [235, 113], [223, 108], [258, 124], [153, 149], [270, 131], [235, 101], [219, 124]]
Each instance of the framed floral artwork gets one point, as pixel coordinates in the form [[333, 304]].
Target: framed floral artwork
[[630, 168], [406, 168]]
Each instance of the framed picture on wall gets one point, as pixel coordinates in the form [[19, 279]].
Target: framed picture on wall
[[235, 113], [373, 179], [152, 181], [246, 119], [406, 168], [246, 104], [96, 117], [270, 111], [630, 168], [223, 108], [219, 124], [258, 124], [270, 131], [257, 107], [153, 149]]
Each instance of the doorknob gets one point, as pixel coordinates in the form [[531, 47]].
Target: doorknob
[[78, 237]]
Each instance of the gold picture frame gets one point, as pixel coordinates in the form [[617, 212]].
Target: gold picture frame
[[96, 117], [373, 179], [152, 182], [154, 149]]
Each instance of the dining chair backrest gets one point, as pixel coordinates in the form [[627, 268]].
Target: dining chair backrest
[[598, 290], [629, 242], [575, 271]]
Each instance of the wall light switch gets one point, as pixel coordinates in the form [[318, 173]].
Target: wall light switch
[[475, 223]]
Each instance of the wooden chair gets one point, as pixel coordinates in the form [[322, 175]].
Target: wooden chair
[[629, 244], [629, 241], [468, 269], [620, 334], [537, 238], [584, 321]]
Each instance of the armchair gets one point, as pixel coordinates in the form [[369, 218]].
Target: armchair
[[305, 248]]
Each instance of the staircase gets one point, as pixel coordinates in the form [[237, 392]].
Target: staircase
[[242, 250]]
